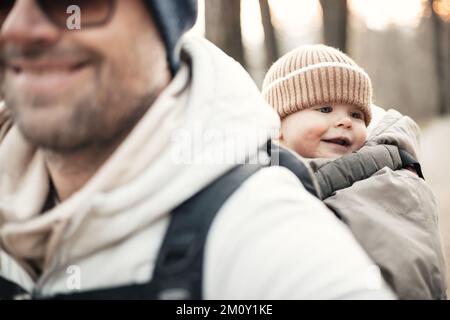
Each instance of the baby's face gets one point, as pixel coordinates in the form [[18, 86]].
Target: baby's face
[[324, 131]]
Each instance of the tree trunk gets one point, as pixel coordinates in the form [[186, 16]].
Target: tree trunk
[[446, 42], [335, 23], [441, 42], [270, 41], [223, 26]]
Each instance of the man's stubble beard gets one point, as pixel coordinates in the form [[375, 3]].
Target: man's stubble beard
[[89, 123]]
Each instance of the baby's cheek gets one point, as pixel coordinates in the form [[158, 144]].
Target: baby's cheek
[[309, 144], [315, 134], [360, 138]]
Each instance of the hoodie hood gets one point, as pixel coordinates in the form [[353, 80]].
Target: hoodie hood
[[391, 127], [190, 136]]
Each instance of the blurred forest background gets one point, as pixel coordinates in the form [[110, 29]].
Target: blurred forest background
[[404, 45]]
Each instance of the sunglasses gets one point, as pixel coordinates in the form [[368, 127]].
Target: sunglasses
[[92, 12]]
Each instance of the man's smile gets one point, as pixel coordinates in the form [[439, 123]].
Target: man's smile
[[45, 76]]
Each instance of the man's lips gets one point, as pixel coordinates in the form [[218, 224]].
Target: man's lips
[[45, 76], [45, 65]]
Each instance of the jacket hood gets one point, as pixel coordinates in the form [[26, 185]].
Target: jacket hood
[[391, 127]]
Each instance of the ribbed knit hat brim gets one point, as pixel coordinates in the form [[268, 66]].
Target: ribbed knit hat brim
[[316, 75]]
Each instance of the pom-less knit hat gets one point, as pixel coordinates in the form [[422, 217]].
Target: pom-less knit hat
[[314, 75], [173, 18]]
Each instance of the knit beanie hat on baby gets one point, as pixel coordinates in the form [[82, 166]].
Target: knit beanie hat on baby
[[314, 75]]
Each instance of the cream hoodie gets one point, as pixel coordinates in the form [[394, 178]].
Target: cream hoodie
[[271, 239]]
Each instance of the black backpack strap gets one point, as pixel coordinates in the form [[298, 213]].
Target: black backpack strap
[[179, 264], [10, 290], [284, 158], [179, 267], [409, 161]]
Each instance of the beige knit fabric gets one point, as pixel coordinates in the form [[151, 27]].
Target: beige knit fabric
[[313, 75]]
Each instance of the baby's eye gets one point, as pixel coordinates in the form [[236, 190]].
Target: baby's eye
[[357, 115], [325, 109]]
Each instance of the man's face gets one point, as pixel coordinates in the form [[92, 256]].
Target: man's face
[[72, 89], [327, 131]]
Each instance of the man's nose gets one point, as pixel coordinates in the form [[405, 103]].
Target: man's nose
[[27, 24], [343, 121]]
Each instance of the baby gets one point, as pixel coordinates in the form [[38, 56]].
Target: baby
[[324, 101]]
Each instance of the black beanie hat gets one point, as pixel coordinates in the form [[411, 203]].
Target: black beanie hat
[[173, 18]]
